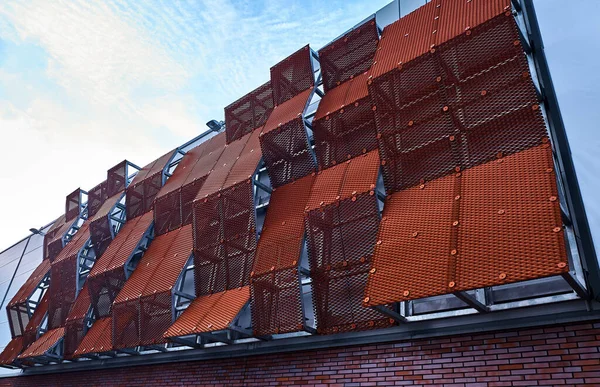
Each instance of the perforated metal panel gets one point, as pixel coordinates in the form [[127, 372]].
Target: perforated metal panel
[[493, 224], [11, 351], [101, 229], [96, 197], [44, 343], [73, 205], [292, 76], [98, 338], [145, 186], [116, 180], [349, 130], [276, 297], [210, 313], [284, 142], [462, 105], [249, 112], [142, 309], [349, 55], [224, 239], [75, 324]]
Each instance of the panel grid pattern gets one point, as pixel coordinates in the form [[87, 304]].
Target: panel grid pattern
[[493, 224], [249, 112]]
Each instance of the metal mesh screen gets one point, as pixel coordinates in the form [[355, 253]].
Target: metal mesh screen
[[249, 112], [284, 143], [209, 313], [292, 76], [11, 351], [44, 343], [72, 205], [224, 239], [96, 197], [349, 55], [101, 231], [493, 224], [98, 338], [145, 186], [345, 133], [468, 101], [116, 179], [276, 302]]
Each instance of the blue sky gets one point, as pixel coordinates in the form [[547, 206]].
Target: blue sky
[[86, 84]]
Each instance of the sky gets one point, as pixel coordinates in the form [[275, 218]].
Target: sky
[[86, 84]]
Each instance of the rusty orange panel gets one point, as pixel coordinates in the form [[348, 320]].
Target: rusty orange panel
[[96, 197], [349, 55], [12, 350], [75, 323], [43, 344], [355, 176], [249, 112], [287, 111], [276, 302], [406, 39], [492, 224], [53, 238], [283, 230], [30, 284], [292, 76], [217, 177], [510, 223], [350, 130], [333, 100], [412, 251], [210, 313], [81, 305], [247, 163], [100, 225], [458, 16], [98, 338], [145, 186], [160, 266]]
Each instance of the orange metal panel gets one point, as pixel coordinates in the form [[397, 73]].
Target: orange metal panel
[[287, 111], [510, 224], [349, 55], [333, 100], [75, 323], [355, 176], [412, 251], [97, 339], [12, 350], [96, 197], [247, 162], [32, 282], [292, 76], [489, 225], [406, 39], [43, 344], [210, 313], [458, 16], [249, 112], [145, 186], [282, 234]]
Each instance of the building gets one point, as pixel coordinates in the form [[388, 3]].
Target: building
[[399, 206]]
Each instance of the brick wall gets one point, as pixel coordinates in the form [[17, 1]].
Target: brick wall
[[556, 355]]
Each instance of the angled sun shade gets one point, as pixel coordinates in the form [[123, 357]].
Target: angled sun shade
[[341, 227], [224, 219], [111, 270], [173, 204], [102, 224], [18, 309], [65, 277], [54, 238], [11, 351], [33, 327], [292, 76], [276, 297], [284, 141], [249, 112], [142, 311], [96, 197], [98, 338], [116, 179], [76, 322], [493, 224], [73, 204], [349, 55], [344, 125], [210, 313], [46, 346], [457, 106], [145, 185]]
